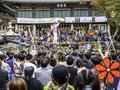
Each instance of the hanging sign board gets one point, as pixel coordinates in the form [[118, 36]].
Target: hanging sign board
[[66, 20], [100, 19], [38, 20], [69, 19], [85, 19]]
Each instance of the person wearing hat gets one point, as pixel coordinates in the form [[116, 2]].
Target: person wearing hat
[[32, 83], [60, 78]]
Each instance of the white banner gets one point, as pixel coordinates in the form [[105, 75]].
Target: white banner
[[38, 20], [85, 19], [66, 20], [69, 19], [101, 19]]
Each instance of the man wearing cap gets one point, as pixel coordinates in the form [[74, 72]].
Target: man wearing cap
[[60, 78]]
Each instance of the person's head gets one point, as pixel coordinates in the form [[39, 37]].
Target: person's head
[[79, 63], [2, 57], [11, 55], [69, 60], [29, 57], [74, 53], [16, 56], [96, 59], [113, 56], [17, 84], [21, 57], [23, 52], [28, 71], [86, 77], [61, 56], [42, 53], [80, 55], [45, 62], [88, 55], [60, 75]]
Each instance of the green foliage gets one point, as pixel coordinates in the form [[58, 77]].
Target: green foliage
[[110, 7]]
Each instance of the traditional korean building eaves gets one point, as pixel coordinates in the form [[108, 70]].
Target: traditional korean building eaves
[[42, 1]]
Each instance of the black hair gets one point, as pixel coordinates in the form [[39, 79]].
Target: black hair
[[21, 57], [61, 56], [113, 56], [52, 61], [69, 60], [79, 63], [29, 57], [28, 72], [88, 55], [42, 53], [2, 57], [74, 53], [16, 56], [23, 52], [28, 75], [86, 77], [80, 55], [44, 62], [96, 59], [11, 55]]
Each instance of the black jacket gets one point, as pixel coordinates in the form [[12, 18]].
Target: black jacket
[[3, 79], [34, 84]]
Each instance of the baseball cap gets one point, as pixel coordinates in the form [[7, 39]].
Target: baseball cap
[[60, 74]]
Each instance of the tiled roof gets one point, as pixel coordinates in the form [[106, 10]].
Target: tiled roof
[[42, 1]]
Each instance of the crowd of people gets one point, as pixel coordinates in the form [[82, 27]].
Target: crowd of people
[[84, 37], [58, 69], [53, 71]]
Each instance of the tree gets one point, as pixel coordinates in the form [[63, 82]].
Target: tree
[[110, 7]]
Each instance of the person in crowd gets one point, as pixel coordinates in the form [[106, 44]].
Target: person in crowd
[[4, 66], [43, 73], [96, 59], [3, 75], [71, 69], [86, 80], [28, 60], [19, 71], [80, 65], [60, 58], [53, 60], [32, 83], [17, 84], [60, 78], [87, 60], [75, 56], [16, 57], [10, 62], [39, 57], [24, 61]]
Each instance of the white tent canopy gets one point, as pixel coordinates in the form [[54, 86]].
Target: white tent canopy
[[11, 33]]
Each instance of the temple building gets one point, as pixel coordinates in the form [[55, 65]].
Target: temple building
[[41, 13]]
